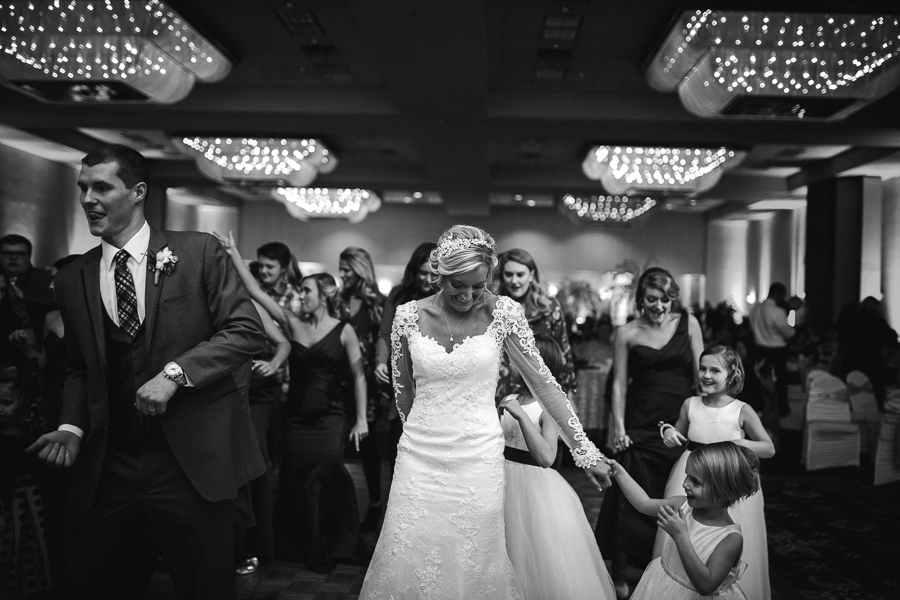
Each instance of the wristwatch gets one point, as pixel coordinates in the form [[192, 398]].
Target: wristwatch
[[173, 371]]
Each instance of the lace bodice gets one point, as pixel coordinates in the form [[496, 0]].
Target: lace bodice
[[423, 370]]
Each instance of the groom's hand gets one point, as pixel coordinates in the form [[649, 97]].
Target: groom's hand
[[153, 397], [57, 448]]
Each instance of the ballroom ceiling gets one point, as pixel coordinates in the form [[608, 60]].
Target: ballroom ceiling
[[472, 102]]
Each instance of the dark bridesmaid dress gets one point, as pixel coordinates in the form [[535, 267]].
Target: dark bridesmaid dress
[[660, 380], [316, 514]]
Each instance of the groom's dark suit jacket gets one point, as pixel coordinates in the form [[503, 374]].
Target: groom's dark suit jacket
[[201, 317]]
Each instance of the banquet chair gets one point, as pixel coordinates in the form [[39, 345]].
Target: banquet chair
[[864, 410], [887, 459], [830, 438], [814, 374]]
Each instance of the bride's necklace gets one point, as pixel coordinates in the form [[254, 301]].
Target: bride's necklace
[[450, 329]]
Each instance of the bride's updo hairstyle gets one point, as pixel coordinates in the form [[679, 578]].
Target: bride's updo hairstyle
[[461, 249]]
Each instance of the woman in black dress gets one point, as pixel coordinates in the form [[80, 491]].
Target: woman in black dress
[[316, 513], [365, 303], [655, 363]]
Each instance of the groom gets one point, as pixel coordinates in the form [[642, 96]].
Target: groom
[[155, 421]]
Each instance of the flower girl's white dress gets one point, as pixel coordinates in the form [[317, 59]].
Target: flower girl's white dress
[[708, 425], [443, 535], [550, 542], [665, 578]]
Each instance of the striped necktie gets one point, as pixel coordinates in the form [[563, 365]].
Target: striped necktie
[[126, 298]]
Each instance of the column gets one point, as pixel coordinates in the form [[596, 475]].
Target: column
[[890, 252], [834, 244], [726, 263]]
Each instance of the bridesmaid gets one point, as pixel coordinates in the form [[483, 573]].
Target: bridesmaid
[[366, 304], [658, 353], [316, 513], [521, 281]]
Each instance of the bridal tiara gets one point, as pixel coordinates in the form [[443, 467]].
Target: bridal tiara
[[450, 245]]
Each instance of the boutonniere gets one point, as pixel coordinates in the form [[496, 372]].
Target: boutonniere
[[165, 263]]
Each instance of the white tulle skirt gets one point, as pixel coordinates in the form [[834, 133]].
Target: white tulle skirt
[[656, 584], [749, 514], [549, 540]]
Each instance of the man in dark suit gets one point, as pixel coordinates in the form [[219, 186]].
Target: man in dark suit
[[155, 421], [25, 296]]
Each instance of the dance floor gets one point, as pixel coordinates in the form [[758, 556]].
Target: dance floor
[[832, 535]]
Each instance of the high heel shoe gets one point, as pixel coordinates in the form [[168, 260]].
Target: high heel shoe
[[247, 567]]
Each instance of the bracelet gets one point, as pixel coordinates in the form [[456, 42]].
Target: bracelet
[[663, 427]]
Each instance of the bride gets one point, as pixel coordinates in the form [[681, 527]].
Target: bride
[[443, 535]]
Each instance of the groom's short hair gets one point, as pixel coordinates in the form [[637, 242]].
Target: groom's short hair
[[133, 167]]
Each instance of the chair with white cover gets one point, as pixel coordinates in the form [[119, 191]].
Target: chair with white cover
[[887, 458], [864, 409], [830, 438], [814, 374]]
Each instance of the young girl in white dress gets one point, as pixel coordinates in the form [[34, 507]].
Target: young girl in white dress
[[542, 512], [717, 417], [704, 559]]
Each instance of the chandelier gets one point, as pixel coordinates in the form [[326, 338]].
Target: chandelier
[[778, 64], [294, 162], [306, 203], [104, 51], [605, 209], [635, 169]]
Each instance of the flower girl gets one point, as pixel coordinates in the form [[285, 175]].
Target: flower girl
[[550, 543], [705, 557], [717, 416]]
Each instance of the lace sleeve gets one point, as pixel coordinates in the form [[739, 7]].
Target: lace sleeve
[[401, 364], [518, 341]]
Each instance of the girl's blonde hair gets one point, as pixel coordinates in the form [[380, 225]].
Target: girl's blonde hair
[[731, 471], [329, 294]]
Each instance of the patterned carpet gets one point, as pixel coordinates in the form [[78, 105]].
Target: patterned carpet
[[832, 535]]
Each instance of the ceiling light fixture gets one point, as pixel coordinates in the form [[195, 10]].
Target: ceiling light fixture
[[778, 64], [636, 169], [310, 203], [104, 51], [605, 209], [296, 162]]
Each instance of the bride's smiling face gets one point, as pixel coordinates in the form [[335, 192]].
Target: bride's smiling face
[[462, 290]]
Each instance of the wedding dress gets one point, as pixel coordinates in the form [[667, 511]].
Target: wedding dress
[[443, 535]]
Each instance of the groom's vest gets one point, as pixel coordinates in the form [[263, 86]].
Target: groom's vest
[[126, 363]]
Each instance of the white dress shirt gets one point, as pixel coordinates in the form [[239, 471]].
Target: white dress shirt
[[768, 321], [136, 247]]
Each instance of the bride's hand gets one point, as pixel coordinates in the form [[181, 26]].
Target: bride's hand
[[599, 475]]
